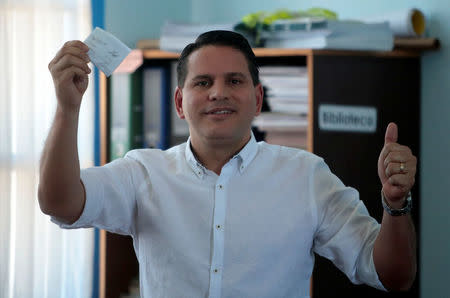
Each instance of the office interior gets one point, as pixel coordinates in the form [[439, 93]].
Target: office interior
[[134, 20], [144, 18]]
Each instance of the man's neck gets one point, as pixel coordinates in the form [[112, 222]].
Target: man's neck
[[214, 155]]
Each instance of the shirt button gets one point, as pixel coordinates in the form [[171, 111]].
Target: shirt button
[[220, 186], [218, 227], [216, 270]]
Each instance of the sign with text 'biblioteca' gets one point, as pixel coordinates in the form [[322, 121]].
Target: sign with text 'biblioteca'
[[362, 119]]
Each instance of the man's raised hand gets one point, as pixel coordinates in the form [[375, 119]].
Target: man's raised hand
[[396, 168], [70, 71]]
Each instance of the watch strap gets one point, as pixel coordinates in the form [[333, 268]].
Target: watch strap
[[397, 212]]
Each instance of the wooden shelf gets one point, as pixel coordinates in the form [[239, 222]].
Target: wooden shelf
[[158, 54], [267, 52]]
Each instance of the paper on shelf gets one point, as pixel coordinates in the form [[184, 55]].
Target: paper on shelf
[[105, 50]]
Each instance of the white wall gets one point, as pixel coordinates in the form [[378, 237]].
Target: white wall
[[133, 20]]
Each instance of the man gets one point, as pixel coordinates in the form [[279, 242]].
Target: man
[[222, 215]]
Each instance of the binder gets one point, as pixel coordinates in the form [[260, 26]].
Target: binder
[[157, 106], [126, 113]]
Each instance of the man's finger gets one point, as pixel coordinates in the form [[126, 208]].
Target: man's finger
[[391, 133], [401, 168], [71, 72], [397, 156], [77, 43], [402, 181], [70, 60], [69, 51]]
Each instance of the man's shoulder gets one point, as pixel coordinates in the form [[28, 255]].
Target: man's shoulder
[[145, 155], [286, 153]]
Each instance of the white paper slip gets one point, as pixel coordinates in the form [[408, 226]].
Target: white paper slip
[[105, 50]]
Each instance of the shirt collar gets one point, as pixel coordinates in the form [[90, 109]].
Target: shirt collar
[[245, 156], [247, 153], [195, 165]]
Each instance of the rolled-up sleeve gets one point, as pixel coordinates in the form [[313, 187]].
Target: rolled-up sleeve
[[345, 231], [92, 206], [110, 198]]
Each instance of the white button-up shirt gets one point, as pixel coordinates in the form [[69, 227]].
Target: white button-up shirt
[[249, 232]]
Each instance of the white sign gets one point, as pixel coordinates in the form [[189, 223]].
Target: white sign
[[347, 118]]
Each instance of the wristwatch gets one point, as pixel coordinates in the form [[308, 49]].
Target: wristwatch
[[397, 212]]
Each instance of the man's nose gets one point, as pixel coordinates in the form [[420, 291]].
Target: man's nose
[[219, 91]]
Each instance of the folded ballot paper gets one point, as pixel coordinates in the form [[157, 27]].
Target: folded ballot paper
[[105, 50]]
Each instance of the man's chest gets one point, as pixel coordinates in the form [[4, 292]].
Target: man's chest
[[252, 217]]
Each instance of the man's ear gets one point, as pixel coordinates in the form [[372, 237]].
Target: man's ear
[[259, 94], [179, 102]]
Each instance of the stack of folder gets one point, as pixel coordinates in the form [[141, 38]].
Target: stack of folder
[[287, 97], [287, 88], [329, 34], [283, 129], [175, 36]]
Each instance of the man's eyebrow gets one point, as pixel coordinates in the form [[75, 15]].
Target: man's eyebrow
[[235, 74], [201, 77], [208, 76]]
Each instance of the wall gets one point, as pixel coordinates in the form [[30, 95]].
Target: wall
[[133, 20], [146, 17], [435, 124]]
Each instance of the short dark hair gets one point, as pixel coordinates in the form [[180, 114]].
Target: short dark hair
[[218, 38]]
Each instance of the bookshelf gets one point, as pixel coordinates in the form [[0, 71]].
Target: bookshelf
[[388, 82]]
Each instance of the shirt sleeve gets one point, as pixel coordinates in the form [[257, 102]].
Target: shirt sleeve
[[110, 198], [345, 231]]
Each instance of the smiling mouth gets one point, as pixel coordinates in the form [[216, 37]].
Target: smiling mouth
[[220, 112]]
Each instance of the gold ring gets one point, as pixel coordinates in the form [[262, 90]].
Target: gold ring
[[402, 167]]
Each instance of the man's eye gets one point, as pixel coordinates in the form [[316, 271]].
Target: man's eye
[[202, 83], [235, 81]]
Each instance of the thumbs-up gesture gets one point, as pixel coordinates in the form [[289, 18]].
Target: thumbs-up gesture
[[396, 168]]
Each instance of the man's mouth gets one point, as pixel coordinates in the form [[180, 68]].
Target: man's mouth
[[220, 111]]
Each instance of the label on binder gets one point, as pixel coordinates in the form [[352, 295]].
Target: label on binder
[[361, 119]]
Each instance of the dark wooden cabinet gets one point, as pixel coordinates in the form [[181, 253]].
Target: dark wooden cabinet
[[392, 86], [388, 82]]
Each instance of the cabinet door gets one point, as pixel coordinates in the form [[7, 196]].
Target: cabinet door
[[390, 85]]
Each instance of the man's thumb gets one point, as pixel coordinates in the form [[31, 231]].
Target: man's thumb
[[391, 133]]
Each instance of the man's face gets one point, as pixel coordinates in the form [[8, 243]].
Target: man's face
[[218, 99]]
